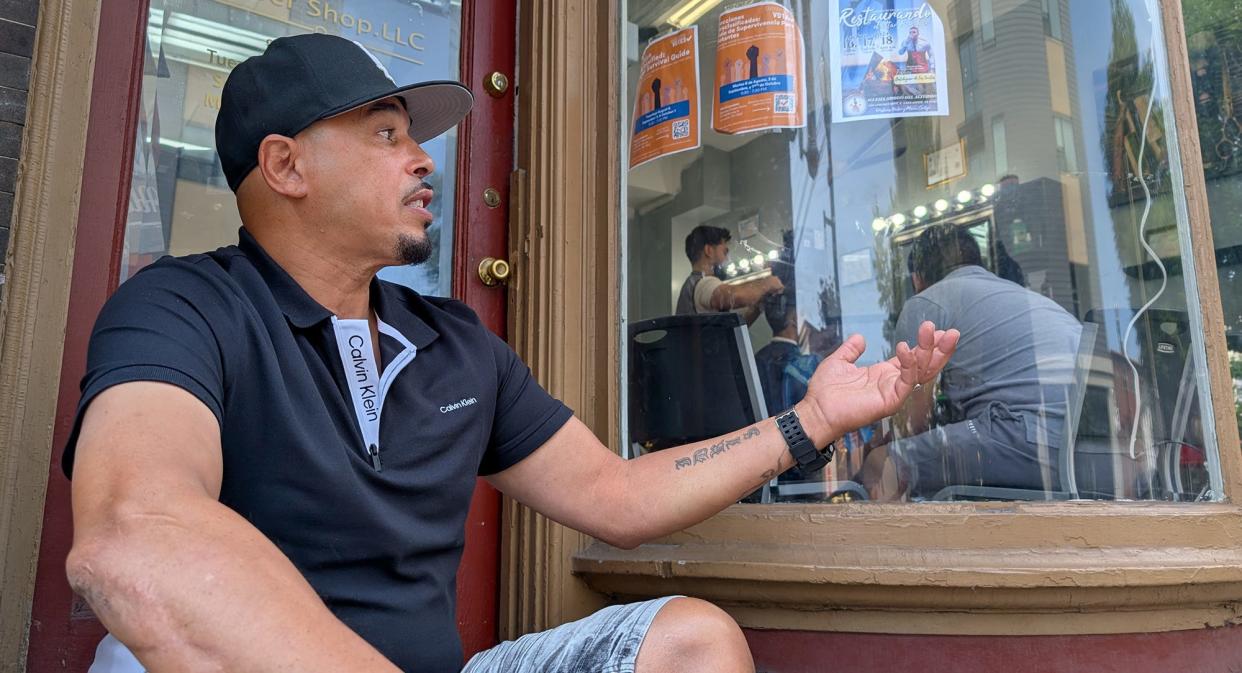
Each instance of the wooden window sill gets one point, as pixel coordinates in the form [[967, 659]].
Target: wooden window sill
[[989, 568]]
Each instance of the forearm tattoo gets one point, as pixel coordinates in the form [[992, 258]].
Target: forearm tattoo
[[709, 452]]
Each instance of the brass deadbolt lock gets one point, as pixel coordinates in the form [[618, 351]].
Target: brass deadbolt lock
[[491, 197], [493, 271], [496, 84]]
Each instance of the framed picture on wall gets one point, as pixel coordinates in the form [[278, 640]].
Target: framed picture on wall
[[945, 165]]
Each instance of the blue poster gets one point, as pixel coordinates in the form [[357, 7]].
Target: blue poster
[[889, 60]]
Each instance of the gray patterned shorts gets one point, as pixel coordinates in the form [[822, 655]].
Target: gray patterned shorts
[[605, 642]]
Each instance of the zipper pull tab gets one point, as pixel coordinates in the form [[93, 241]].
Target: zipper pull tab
[[375, 459]]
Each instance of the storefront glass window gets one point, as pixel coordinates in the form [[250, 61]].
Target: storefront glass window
[[179, 201], [1214, 41], [998, 166]]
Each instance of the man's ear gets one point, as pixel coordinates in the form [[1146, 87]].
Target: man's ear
[[279, 163]]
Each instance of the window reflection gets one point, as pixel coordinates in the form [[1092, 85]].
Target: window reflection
[[1214, 41], [179, 201], [1038, 217]]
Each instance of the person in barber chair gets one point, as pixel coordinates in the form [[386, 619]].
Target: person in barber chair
[[1004, 396]]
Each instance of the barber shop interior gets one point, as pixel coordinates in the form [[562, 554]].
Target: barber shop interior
[[1039, 212]]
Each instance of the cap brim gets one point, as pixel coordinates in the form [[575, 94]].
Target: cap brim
[[434, 107]]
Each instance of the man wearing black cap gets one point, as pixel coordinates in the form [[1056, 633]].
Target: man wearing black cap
[[275, 451]]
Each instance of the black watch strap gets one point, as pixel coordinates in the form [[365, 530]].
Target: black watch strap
[[803, 449]]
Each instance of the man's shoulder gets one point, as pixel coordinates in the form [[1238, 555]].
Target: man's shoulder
[[708, 283], [438, 312], [777, 353], [182, 275], [220, 292]]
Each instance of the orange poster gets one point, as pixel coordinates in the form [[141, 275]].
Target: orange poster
[[760, 79], [666, 104]]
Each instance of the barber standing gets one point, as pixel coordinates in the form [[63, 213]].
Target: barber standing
[[707, 248]]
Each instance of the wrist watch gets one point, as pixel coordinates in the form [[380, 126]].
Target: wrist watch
[[810, 459]]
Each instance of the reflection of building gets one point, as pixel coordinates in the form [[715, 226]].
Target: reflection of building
[[1021, 126]]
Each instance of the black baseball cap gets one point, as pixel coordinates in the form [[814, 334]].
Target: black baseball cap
[[301, 79]]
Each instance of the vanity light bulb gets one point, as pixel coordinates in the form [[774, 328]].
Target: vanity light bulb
[[940, 205], [731, 270], [743, 264], [988, 189], [920, 212], [879, 224], [757, 261], [897, 219], [774, 255], [964, 196]]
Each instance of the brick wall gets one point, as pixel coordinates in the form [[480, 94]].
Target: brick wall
[[17, 34]]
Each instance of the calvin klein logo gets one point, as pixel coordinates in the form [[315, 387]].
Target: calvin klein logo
[[464, 402], [356, 344]]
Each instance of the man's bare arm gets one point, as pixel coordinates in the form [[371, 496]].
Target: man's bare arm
[[180, 579], [577, 481], [750, 314], [731, 296]]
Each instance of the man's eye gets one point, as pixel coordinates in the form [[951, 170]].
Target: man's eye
[[389, 134]]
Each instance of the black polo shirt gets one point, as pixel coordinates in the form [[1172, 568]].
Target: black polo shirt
[[380, 542]]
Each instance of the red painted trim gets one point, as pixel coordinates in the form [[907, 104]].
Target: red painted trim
[[484, 159], [62, 635], [1200, 651]]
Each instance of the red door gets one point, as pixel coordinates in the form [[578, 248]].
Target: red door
[[64, 632]]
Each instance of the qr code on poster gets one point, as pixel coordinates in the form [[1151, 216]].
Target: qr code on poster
[[681, 129], [783, 103]]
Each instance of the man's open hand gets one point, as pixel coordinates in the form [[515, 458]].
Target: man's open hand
[[846, 396]]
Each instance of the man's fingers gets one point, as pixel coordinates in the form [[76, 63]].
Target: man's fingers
[[907, 360], [946, 344], [923, 351], [851, 350]]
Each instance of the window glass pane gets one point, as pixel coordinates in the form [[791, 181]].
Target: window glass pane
[[179, 201], [1046, 228], [969, 66], [1214, 41], [1052, 18], [999, 150], [985, 18], [1066, 157]]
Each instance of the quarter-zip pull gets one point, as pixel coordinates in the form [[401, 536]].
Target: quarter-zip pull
[[367, 387], [353, 340]]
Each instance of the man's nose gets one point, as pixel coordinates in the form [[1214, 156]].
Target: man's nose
[[420, 163]]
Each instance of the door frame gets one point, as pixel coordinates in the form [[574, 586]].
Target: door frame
[[484, 161], [64, 632]]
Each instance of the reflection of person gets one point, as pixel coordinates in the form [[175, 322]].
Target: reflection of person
[[781, 312], [1006, 388], [917, 51], [239, 507], [784, 370], [707, 248]]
